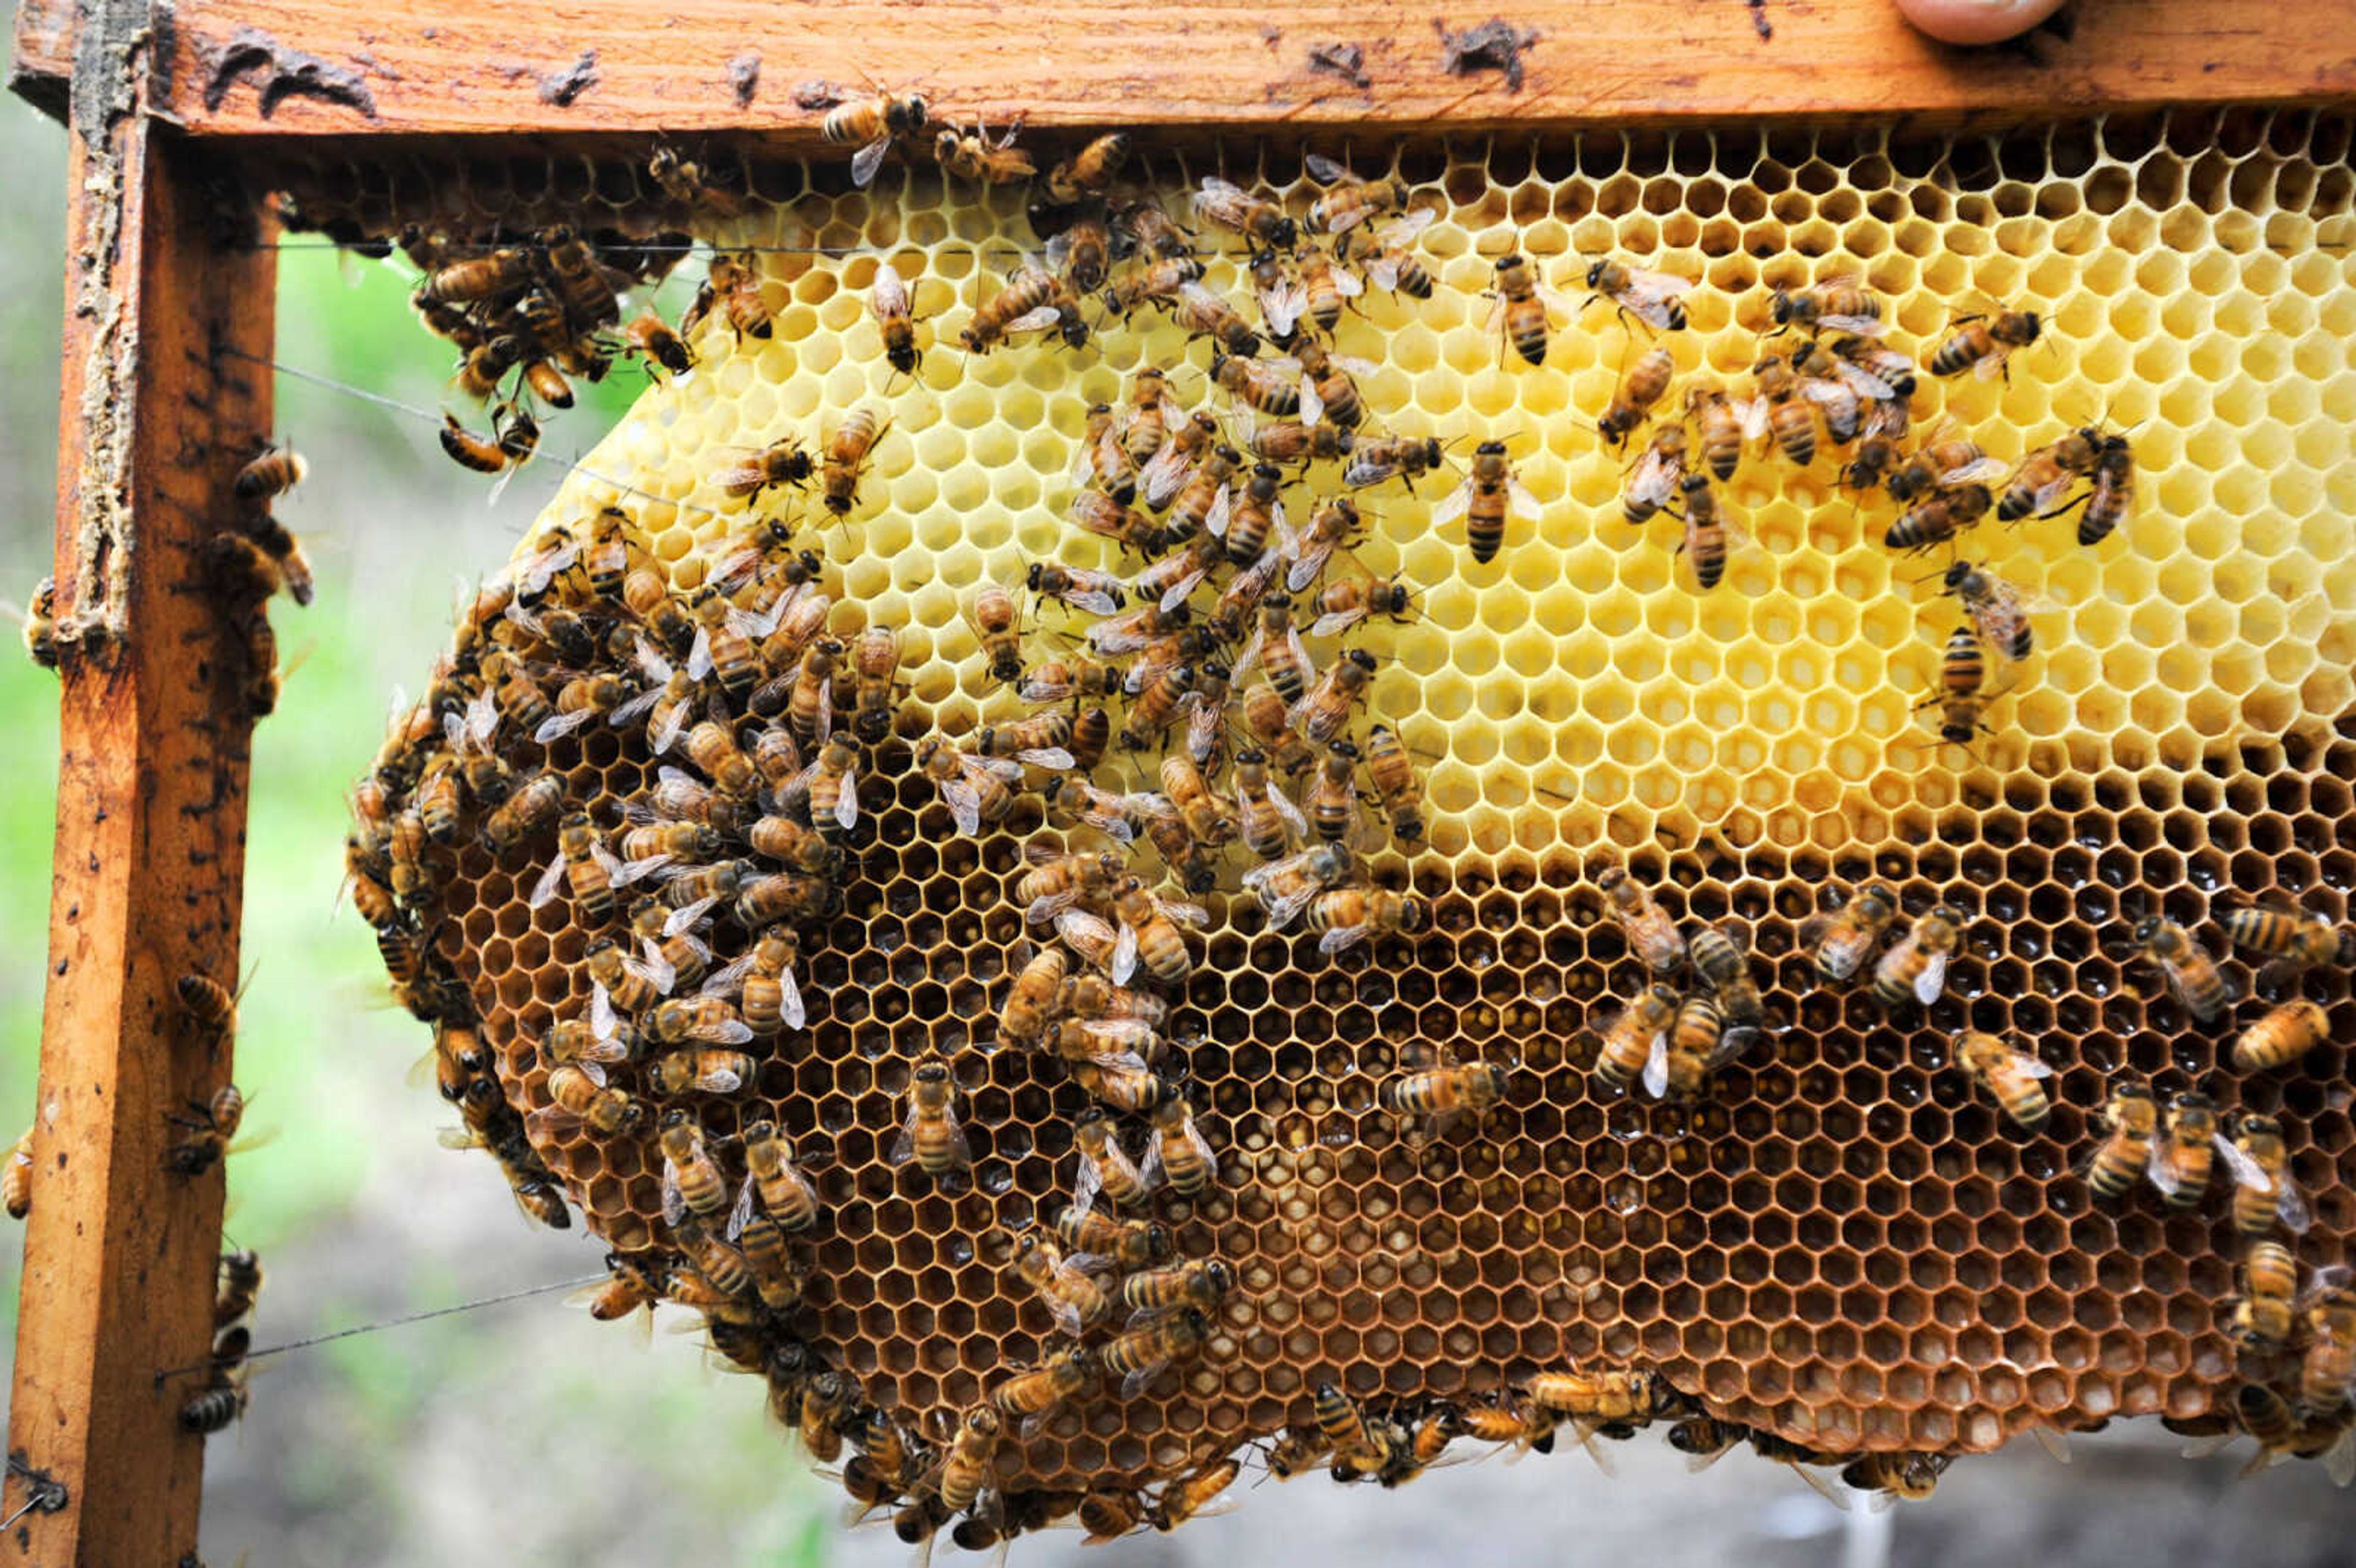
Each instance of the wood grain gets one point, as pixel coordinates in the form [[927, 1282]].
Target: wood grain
[[305, 67], [158, 415]]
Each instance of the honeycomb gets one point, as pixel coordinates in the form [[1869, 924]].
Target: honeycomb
[[1839, 1242]]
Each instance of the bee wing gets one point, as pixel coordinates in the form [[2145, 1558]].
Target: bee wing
[[699, 657], [741, 1213], [1300, 654], [789, 1000], [1401, 230], [674, 1202], [1312, 406], [1200, 1145], [545, 889], [1038, 320], [622, 875], [2247, 1172], [1524, 504], [636, 709], [1452, 505], [1990, 365], [1216, 520], [1165, 475], [1656, 1066], [2053, 490], [1124, 955], [1286, 809], [1656, 477], [2029, 1066], [846, 799], [558, 725], [2163, 1171], [1178, 591], [1283, 304], [1183, 912], [1336, 621], [1216, 192], [825, 710], [663, 734], [482, 720], [1933, 981], [1250, 656], [1341, 937], [685, 917], [889, 295], [1979, 471], [658, 970], [1053, 757], [1864, 383], [729, 980], [964, 807], [1831, 394], [728, 1031], [1036, 690], [745, 623], [1312, 558], [1150, 1173], [867, 160], [1324, 170], [1202, 723], [1382, 270], [904, 1147], [1863, 326]]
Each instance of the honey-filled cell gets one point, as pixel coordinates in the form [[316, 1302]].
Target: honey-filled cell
[[1840, 1234]]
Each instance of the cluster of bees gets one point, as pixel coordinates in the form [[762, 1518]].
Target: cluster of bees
[[701, 898]]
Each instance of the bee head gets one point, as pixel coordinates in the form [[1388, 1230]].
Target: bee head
[[1363, 660]]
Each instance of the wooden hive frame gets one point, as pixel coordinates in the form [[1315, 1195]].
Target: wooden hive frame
[[170, 313]]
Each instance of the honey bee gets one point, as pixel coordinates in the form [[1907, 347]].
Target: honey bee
[[1332, 525], [653, 340], [2282, 1037], [1985, 342], [1232, 207], [1361, 1444], [1433, 1099], [781, 462], [846, 457], [1909, 1478], [1841, 940], [1651, 934], [1521, 316], [478, 278], [702, 1019], [1997, 608], [1138, 1355], [975, 156], [1091, 170], [1206, 818], [2327, 1374], [1611, 1395], [2264, 1313], [1391, 262], [1082, 588], [1290, 440], [1646, 384], [1200, 1283], [2185, 1152], [2293, 938], [1399, 788], [1325, 288], [2130, 1123], [1177, 1153], [210, 1129], [1256, 387], [1107, 1516], [1193, 1495], [1659, 475], [2263, 1192], [239, 1287], [809, 711], [40, 627], [2045, 473], [834, 789], [701, 1073], [1286, 887], [1082, 253], [1057, 881], [1489, 493], [872, 124], [219, 1404], [1032, 1394], [1914, 970], [1650, 297], [1104, 1166], [2011, 1076], [977, 790], [631, 985], [1634, 1046], [1719, 425], [1328, 395], [1266, 820], [588, 869], [1192, 469], [1720, 961], [17, 1180], [2192, 976], [1347, 200], [2111, 497], [1326, 708], [785, 1193], [1709, 537], [577, 1098], [1943, 515], [1157, 280], [1878, 451], [210, 1005], [735, 283], [966, 1466], [1151, 934], [1840, 304], [1346, 916], [691, 1182], [1074, 1298], [1104, 459], [1032, 300], [930, 1135], [1100, 515], [994, 625], [826, 1408], [1778, 407], [481, 454]]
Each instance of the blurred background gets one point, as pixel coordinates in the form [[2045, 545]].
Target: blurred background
[[525, 1434]]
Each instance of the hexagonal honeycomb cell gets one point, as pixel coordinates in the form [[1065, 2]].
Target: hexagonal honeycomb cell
[[1840, 1241]]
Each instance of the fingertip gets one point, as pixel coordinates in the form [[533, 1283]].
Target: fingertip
[[1975, 21]]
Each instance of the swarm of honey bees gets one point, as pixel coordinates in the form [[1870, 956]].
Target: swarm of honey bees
[[1037, 864]]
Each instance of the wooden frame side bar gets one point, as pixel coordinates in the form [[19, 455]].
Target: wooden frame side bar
[[159, 411], [297, 67]]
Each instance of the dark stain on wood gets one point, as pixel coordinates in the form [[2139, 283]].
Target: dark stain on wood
[[281, 72], [563, 87]]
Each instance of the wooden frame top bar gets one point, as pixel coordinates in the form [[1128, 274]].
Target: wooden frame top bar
[[308, 68]]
